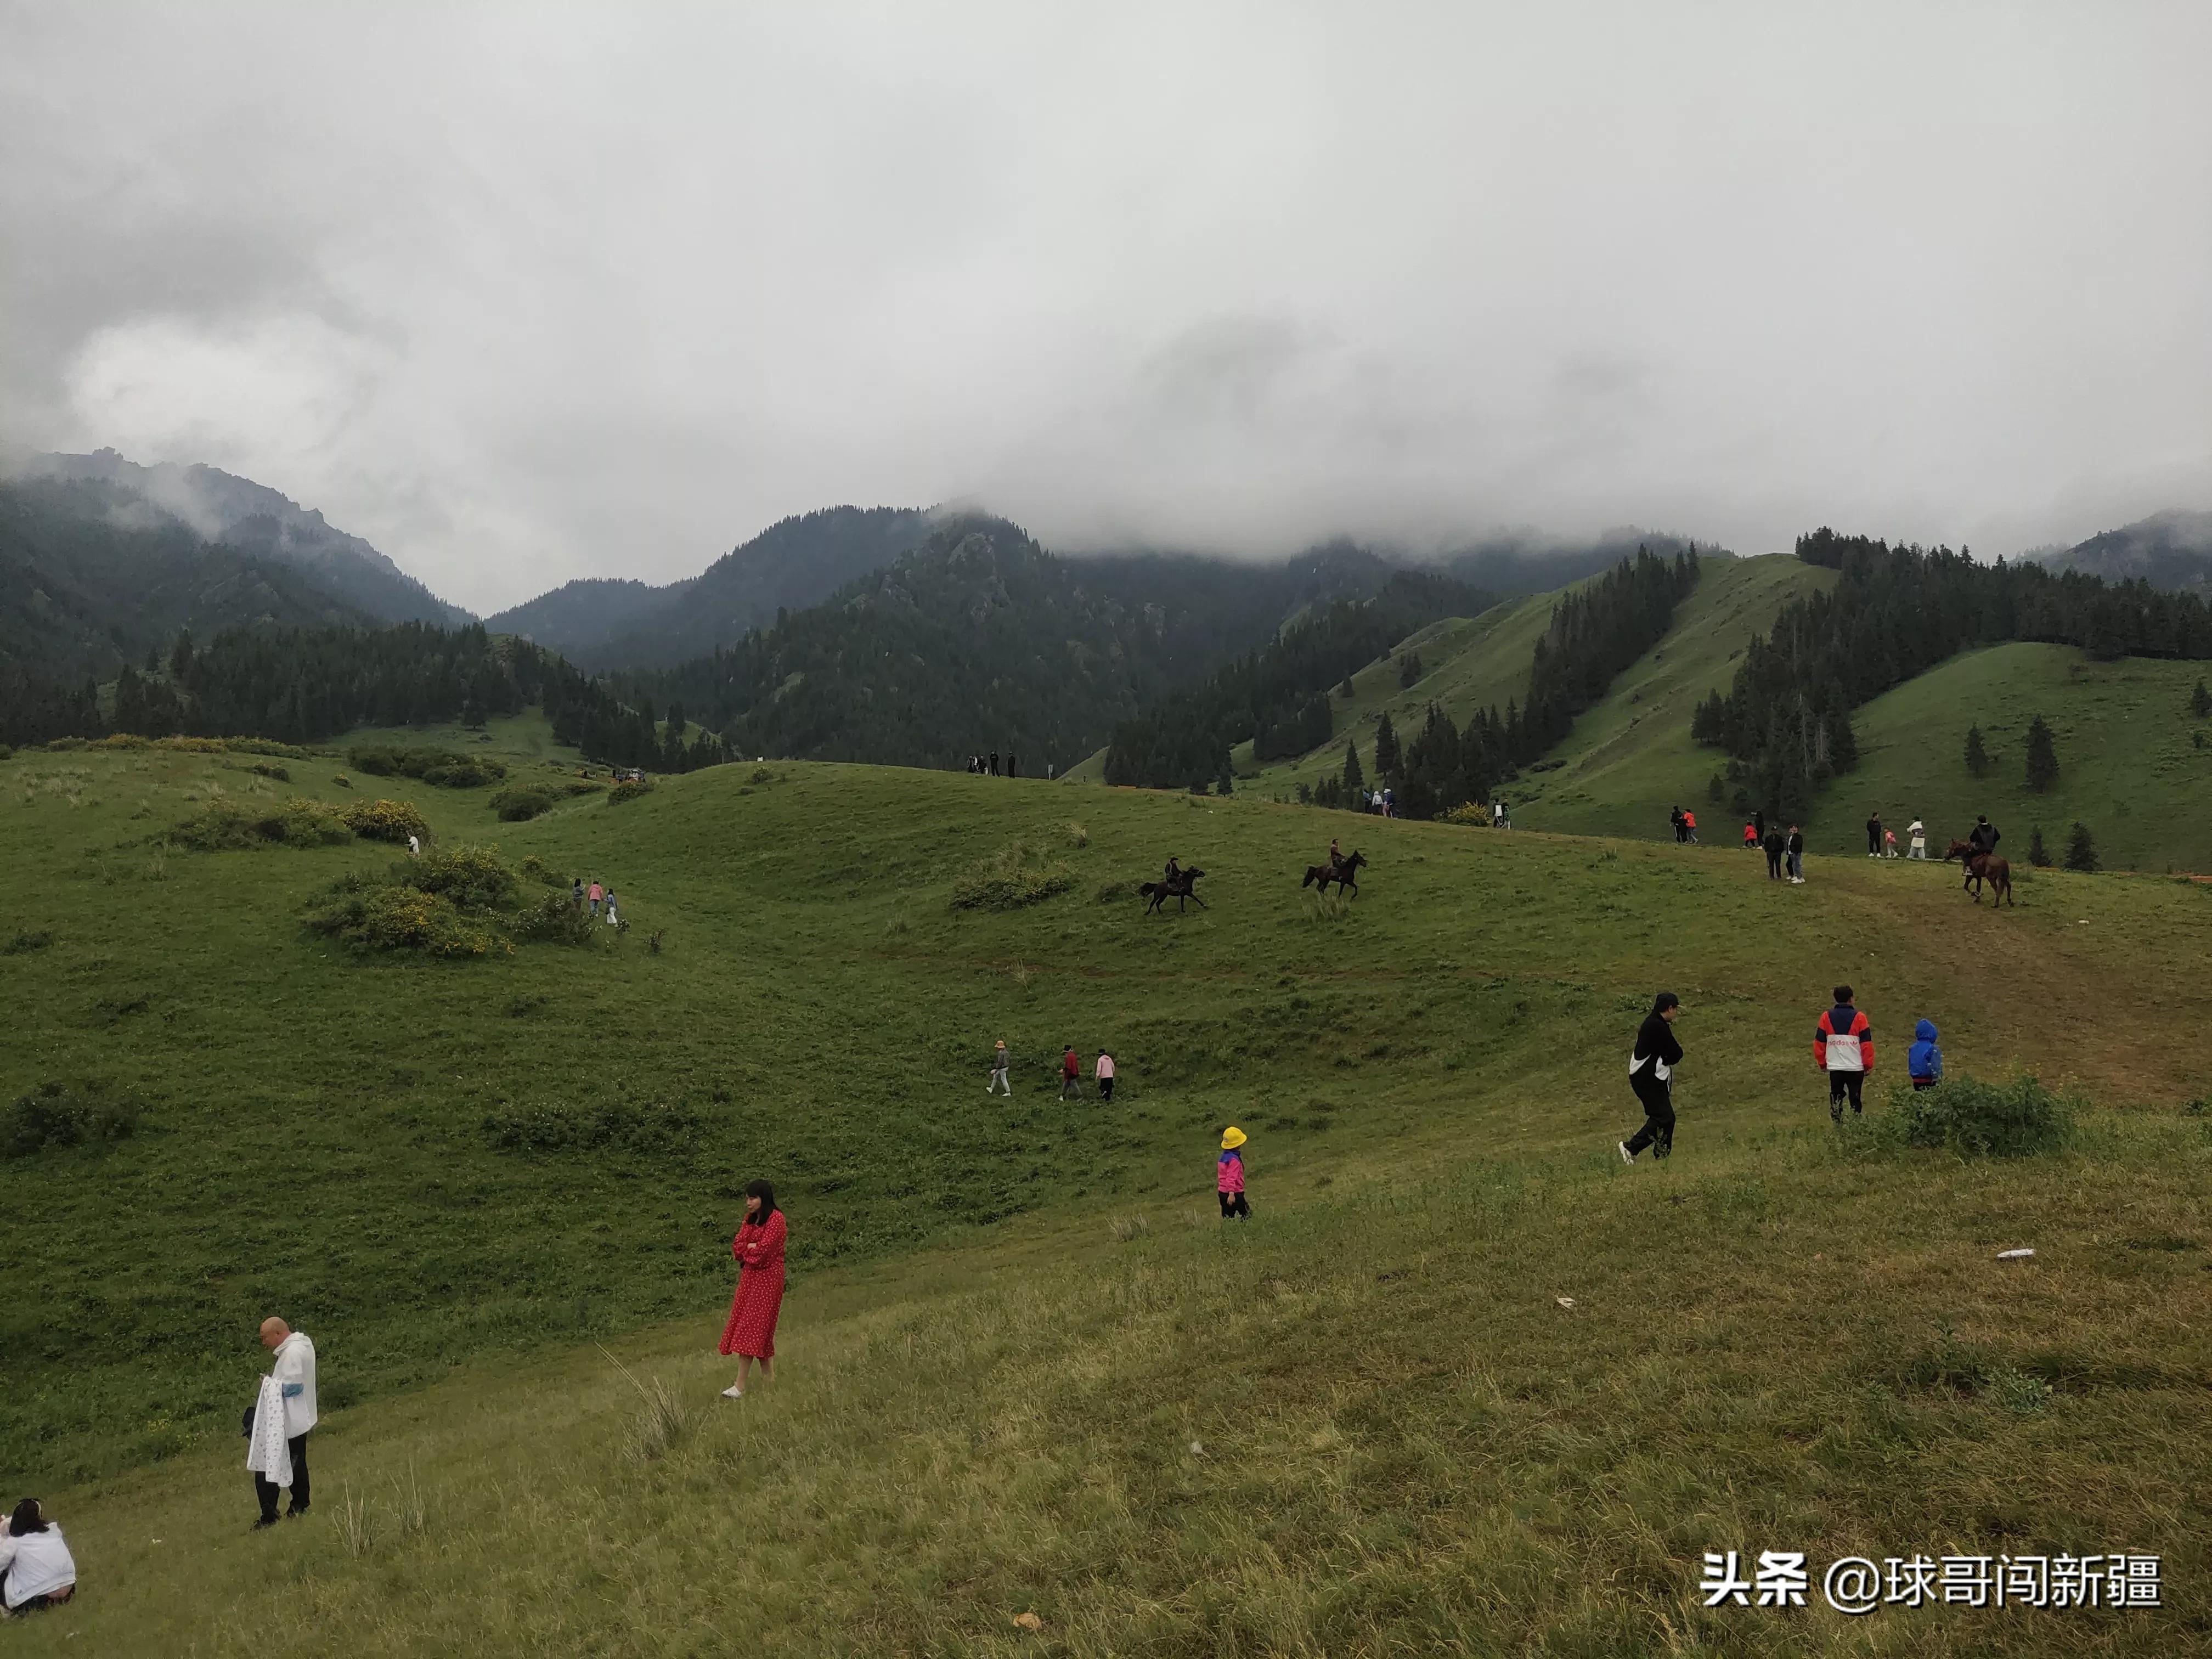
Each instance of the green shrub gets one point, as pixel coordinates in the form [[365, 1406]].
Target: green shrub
[[385, 820], [270, 770], [23, 943], [54, 1115], [298, 822], [6, 752], [630, 791], [535, 869], [583, 787], [472, 876], [1973, 1119], [440, 767], [1011, 878], [617, 1126], [521, 802], [555, 919], [394, 918], [380, 762]]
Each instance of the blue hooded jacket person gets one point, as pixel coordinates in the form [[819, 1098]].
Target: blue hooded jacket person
[[1924, 1060]]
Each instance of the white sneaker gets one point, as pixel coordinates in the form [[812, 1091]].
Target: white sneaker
[[1626, 1157], [733, 1392]]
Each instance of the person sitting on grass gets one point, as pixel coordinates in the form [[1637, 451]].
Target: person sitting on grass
[[36, 1568]]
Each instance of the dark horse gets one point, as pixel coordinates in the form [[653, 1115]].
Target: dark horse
[[1981, 866], [1178, 889], [1342, 871]]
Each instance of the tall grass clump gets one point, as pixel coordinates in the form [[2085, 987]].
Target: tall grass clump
[[1973, 1119], [56, 1115], [1012, 879]]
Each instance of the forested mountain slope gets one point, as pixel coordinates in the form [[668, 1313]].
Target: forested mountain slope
[[794, 563], [2171, 550], [251, 519]]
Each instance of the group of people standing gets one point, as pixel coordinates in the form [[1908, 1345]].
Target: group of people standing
[[1686, 825], [988, 765], [1785, 853], [1881, 843], [1843, 1050]]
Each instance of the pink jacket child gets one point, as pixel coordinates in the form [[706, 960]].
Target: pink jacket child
[[1229, 1176]]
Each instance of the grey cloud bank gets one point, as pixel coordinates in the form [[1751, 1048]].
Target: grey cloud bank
[[523, 293]]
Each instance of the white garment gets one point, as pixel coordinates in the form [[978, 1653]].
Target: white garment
[[266, 1453], [294, 1371], [611, 913], [37, 1564]]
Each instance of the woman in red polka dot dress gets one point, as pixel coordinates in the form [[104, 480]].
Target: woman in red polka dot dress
[[758, 1247]]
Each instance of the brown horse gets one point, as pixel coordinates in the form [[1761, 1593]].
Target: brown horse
[[1343, 872], [1180, 889], [1983, 866]]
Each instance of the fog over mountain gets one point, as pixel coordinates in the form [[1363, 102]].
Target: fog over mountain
[[521, 294]]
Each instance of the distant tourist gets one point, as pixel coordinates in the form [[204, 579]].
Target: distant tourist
[[414, 847], [758, 1249], [36, 1568], [611, 922], [1504, 816], [1759, 823], [999, 1065], [1918, 832], [282, 1417], [1843, 1047], [576, 891], [1229, 1176], [1013, 768], [1104, 1072], [1796, 849], [1497, 815], [1690, 826], [1983, 838], [1874, 835], [1750, 836], [1071, 1075], [1924, 1060], [1889, 843], [1652, 1065], [598, 893], [994, 763], [1674, 821], [1776, 845]]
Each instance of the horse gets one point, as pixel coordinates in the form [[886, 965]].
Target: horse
[[1180, 889], [1340, 872], [1983, 866]]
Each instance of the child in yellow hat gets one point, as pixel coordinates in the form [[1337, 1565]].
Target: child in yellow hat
[[1229, 1176], [998, 1064]]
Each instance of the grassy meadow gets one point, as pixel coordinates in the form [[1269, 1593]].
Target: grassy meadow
[[1024, 1370]]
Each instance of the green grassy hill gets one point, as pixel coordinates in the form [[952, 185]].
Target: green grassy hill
[[1463, 1384], [2134, 764]]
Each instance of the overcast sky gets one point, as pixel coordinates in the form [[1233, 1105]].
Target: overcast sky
[[522, 294]]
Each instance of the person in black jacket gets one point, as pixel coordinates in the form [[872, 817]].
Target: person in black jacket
[[1772, 843], [1651, 1073], [1796, 847]]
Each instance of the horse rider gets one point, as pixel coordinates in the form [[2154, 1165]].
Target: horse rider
[[1335, 854], [1174, 870], [1982, 839]]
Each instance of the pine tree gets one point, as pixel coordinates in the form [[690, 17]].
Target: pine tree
[[2037, 854], [1977, 756], [2200, 701], [1715, 787], [1347, 693], [2042, 755], [1409, 669], [1353, 777], [1387, 763], [1224, 784], [2081, 850]]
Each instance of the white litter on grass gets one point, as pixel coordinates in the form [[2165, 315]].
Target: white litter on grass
[[2084, 922], [2014, 1255], [1565, 1301], [1198, 1449]]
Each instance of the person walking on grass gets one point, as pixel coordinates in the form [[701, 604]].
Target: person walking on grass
[[1652, 1065], [36, 1568], [1924, 1060], [1750, 836], [611, 922], [1674, 818], [1918, 832], [282, 1418], [1889, 843], [758, 1249], [1843, 1047], [999, 1065], [1773, 844], [576, 891], [1796, 850], [1071, 1075], [1874, 835], [1105, 1075], [1229, 1176], [598, 893], [414, 847]]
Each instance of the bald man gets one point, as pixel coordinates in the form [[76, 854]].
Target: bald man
[[295, 1374]]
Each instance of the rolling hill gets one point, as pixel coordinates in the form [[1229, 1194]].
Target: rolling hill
[[1464, 1383], [2171, 550]]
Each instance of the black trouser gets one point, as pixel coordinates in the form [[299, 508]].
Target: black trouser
[[1873, 841], [1234, 1204], [1840, 1084], [1105, 1088], [1658, 1130], [266, 1489], [1774, 866]]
